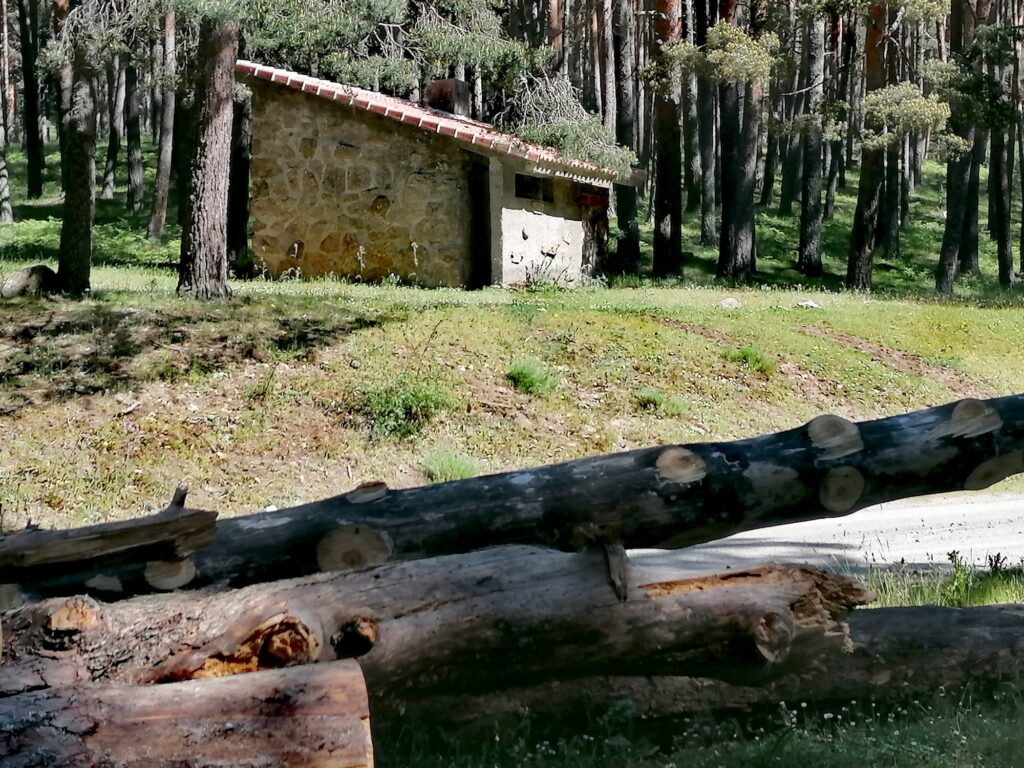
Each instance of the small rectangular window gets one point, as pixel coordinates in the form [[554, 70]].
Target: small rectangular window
[[535, 188]]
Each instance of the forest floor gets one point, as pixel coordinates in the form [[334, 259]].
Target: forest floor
[[293, 391]]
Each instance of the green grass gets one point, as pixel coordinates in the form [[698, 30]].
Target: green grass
[[961, 585], [751, 358], [403, 407], [531, 377], [654, 400], [443, 464]]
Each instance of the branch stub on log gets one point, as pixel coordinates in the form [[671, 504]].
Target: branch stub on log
[[834, 437]]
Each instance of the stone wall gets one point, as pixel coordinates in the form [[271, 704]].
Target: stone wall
[[337, 190]]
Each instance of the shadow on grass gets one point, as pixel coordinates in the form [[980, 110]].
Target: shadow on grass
[[53, 349]]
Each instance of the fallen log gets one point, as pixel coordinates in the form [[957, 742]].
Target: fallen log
[[895, 654], [662, 497], [477, 622], [306, 715]]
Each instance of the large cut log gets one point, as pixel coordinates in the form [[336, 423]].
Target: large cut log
[[896, 654], [662, 497], [301, 716], [475, 622]]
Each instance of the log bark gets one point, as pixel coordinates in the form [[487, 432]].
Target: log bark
[[308, 715], [897, 654], [666, 496], [471, 623]]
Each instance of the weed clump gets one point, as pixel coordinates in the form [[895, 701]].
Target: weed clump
[[404, 406], [651, 399], [443, 465], [531, 377], [751, 358]]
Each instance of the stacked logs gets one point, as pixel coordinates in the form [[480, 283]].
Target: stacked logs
[[516, 584]]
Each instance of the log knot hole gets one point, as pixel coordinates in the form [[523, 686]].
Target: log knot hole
[[679, 465], [355, 639]]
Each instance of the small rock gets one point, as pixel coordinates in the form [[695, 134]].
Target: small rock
[[808, 304], [730, 303], [30, 281], [355, 364]]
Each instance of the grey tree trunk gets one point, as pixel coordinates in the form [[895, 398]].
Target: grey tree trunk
[[238, 186], [162, 187], [668, 190], [79, 165], [203, 271], [872, 171], [809, 254], [133, 134], [28, 25], [115, 124], [691, 145], [627, 253]]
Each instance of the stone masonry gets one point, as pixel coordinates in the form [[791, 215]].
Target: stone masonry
[[337, 190]]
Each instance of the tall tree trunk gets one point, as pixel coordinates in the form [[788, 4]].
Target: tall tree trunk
[[608, 65], [959, 169], [203, 272], [238, 186], [28, 26], [1003, 233], [79, 160], [691, 145], [809, 259], [115, 120], [6, 212], [156, 94], [627, 253], [771, 159], [967, 255], [559, 60], [872, 171], [162, 188], [706, 130], [5, 72], [133, 132], [889, 219], [668, 190]]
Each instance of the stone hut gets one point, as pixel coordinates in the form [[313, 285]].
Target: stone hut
[[362, 185]]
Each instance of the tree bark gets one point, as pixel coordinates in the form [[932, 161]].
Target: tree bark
[[238, 186], [627, 253], [607, 46], [28, 25], [691, 145], [115, 119], [478, 622], [168, 87], [133, 134], [203, 272], [897, 654], [665, 497], [872, 171], [668, 192], [79, 168], [706, 133], [809, 258], [958, 169], [307, 715]]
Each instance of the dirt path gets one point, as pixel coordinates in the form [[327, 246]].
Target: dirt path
[[958, 383]]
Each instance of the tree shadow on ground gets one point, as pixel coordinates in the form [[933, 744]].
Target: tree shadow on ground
[[56, 350]]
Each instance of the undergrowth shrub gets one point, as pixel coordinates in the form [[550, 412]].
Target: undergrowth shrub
[[651, 399], [402, 408], [531, 377], [443, 464], [751, 358]]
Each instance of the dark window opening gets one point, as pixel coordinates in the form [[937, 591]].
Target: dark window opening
[[535, 188]]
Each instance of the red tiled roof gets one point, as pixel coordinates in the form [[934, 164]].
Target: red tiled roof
[[476, 135]]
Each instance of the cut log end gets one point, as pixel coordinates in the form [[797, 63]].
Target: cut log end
[[166, 575], [773, 637], [972, 418], [367, 493], [348, 547], [992, 471], [841, 489], [834, 437], [679, 465]]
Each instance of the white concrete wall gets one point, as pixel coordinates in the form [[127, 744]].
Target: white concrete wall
[[538, 240]]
